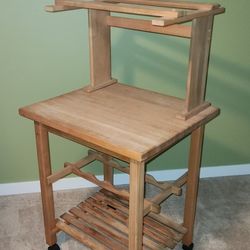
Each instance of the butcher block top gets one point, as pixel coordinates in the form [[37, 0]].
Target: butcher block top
[[125, 121]]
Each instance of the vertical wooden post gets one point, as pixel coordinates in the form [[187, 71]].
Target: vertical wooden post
[[43, 155], [136, 201], [192, 183], [198, 61], [100, 50], [108, 170]]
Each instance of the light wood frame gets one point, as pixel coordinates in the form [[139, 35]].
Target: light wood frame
[[137, 210]]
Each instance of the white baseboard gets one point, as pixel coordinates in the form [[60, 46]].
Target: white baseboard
[[163, 175]]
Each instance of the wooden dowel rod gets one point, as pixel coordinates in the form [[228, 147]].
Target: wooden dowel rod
[[146, 25], [68, 168]]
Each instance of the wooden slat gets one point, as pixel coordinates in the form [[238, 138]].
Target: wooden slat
[[170, 4], [146, 25], [123, 217], [186, 18], [112, 219], [123, 8], [102, 215], [148, 230], [169, 222], [103, 221], [105, 195], [84, 238], [161, 229], [107, 209], [103, 239], [100, 225], [157, 226], [162, 219]]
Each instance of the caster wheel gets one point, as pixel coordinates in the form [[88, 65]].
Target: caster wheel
[[54, 247], [190, 247]]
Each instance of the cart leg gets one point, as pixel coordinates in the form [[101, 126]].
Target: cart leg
[[192, 185], [136, 201], [43, 155]]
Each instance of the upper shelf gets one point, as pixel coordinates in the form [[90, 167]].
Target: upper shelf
[[167, 12]]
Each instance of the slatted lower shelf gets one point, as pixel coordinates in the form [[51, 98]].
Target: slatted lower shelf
[[101, 222]]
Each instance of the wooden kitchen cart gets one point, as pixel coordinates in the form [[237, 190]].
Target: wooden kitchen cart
[[118, 121]]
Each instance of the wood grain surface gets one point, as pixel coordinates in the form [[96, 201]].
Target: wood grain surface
[[128, 121]]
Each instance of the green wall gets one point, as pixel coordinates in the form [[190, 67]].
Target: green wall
[[43, 55]]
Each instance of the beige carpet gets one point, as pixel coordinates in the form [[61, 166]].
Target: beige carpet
[[222, 222]]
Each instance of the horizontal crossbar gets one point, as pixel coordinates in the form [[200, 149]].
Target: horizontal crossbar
[[162, 196], [148, 178], [68, 168], [146, 25]]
